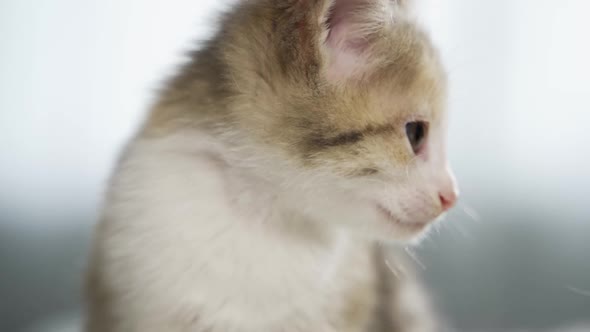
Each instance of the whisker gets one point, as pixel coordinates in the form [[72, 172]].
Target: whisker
[[411, 163], [578, 291], [437, 226], [396, 271], [414, 257], [470, 212]]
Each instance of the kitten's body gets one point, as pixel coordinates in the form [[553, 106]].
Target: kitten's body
[[213, 219], [233, 270]]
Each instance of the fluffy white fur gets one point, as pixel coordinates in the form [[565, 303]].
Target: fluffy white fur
[[201, 244]]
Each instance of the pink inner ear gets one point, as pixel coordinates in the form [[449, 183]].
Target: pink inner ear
[[346, 43]]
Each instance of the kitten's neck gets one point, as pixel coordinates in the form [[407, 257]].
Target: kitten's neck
[[257, 198], [268, 250]]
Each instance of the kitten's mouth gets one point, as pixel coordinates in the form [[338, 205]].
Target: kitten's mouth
[[413, 227]]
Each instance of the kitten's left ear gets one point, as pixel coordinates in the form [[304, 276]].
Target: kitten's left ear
[[350, 28]]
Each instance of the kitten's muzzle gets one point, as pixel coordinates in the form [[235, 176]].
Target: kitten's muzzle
[[448, 192]]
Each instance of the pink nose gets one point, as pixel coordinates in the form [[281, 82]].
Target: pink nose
[[448, 199]]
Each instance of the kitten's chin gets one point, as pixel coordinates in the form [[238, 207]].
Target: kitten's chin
[[398, 229]]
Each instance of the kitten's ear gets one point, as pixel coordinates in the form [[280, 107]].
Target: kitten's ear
[[350, 27]]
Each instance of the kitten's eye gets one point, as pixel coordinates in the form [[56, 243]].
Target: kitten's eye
[[417, 132]]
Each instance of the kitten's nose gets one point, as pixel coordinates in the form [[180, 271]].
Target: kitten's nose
[[448, 191], [448, 199]]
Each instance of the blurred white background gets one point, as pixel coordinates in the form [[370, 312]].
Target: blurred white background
[[76, 77]]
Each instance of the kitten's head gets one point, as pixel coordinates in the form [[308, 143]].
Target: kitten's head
[[352, 94]]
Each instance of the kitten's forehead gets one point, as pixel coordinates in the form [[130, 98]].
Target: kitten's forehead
[[412, 67], [411, 85]]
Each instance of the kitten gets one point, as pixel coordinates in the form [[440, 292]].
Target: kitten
[[254, 195]]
